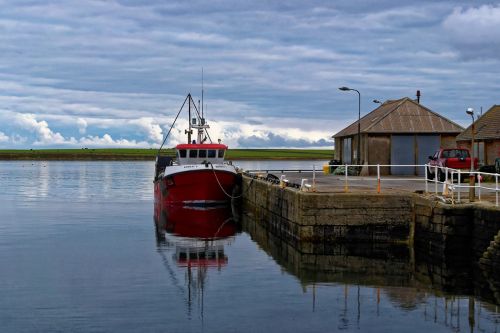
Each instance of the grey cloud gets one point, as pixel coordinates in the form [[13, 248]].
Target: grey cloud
[[475, 32], [126, 60]]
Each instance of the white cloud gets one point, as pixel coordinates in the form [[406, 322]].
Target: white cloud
[[108, 142], [82, 125], [150, 127], [3, 137], [45, 136]]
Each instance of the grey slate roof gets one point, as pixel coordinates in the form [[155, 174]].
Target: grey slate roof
[[486, 127], [402, 116]]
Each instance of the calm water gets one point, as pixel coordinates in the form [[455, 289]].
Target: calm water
[[78, 253]]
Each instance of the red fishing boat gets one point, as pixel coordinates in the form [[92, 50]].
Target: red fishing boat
[[198, 175]]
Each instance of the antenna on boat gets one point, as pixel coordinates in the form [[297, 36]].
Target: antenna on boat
[[202, 114]]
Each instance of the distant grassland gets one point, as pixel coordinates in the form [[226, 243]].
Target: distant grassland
[[150, 154]]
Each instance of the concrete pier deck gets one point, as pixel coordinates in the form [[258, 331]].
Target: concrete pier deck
[[328, 183]]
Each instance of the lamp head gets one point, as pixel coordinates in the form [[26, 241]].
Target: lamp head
[[344, 88], [470, 111]]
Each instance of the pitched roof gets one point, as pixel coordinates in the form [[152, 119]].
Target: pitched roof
[[402, 116], [485, 127]]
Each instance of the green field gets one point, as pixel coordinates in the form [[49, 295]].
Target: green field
[[149, 154]]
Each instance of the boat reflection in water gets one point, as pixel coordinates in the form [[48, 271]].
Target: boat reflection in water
[[191, 242]]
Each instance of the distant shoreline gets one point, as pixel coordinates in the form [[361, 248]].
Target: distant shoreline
[[150, 154]]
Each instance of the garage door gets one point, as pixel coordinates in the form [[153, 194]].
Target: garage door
[[346, 151], [402, 153], [426, 145]]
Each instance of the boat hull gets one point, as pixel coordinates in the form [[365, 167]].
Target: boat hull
[[195, 222], [194, 187]]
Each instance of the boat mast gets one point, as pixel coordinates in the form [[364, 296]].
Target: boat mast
[[189, 129]]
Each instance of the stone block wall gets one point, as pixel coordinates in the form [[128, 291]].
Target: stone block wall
[[460, 232], [490, 265], [305, 216], [443, 230]]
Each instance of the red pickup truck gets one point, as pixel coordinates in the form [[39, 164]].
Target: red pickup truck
[[455, 158]]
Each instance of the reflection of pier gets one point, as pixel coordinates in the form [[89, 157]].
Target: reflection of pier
[[191, 242], [374, 276]]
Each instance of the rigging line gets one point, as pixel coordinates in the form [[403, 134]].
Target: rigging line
[[178, 113]]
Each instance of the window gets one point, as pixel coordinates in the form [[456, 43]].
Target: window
[[193, 153], [462, 153], [221, 153], [182, 152], [202, 153], [211, 153]]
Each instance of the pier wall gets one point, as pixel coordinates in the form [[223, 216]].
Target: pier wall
[[441, 230], [302, 216]]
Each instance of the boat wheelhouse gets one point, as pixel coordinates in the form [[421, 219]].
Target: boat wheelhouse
[[200, 153]]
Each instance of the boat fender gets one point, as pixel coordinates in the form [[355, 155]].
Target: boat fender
[[163, 187]]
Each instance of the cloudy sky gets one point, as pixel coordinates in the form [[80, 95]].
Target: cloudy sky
[[114, 73]]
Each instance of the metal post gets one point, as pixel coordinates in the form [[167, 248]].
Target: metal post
[[378, 178], [472, 178], [496, 191], [358, 153], [359, 127], [435, 179], [459, 184], [314, 178], [426, 177], [346, 189], [479, 183]]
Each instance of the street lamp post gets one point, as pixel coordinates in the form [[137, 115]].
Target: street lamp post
[[358, 154], [472, 178]]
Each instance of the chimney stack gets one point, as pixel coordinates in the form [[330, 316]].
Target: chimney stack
[[418, 96]]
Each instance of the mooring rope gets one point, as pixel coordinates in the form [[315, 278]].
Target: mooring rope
[[226, 221], [222, 188]]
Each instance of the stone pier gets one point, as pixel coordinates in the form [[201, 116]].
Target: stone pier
[[455, 232]]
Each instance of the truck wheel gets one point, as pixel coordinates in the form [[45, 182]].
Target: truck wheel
[[441, 176], [430, 175]]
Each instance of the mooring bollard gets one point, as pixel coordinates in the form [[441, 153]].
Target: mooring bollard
[[304, 186], [283, 181]]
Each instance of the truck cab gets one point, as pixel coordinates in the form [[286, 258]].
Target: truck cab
[[454, 158]]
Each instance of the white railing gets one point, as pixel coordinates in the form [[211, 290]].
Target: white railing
[[449, 178], [451, 183]]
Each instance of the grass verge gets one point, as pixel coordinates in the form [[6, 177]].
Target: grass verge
[[150, 154]]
